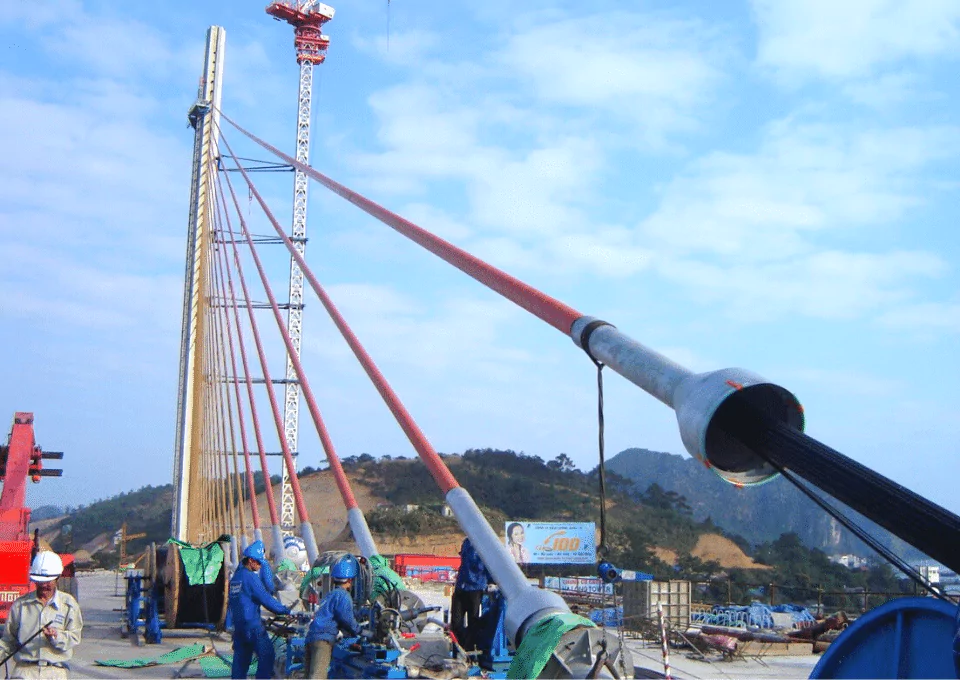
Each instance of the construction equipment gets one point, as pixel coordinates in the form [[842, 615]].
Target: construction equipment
[[307, 18], [22, 459], [123, 540], [399, 637]]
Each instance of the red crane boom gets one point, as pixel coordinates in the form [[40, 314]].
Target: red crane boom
[[20, 459]]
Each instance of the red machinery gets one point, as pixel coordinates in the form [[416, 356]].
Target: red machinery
[[20, 459]]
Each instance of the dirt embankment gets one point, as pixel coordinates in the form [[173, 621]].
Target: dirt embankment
[[714, 547], [330, 524]]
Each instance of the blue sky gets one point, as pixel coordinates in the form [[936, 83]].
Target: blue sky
[[770, 185]]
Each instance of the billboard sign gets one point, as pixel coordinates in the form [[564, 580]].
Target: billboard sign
[[581, 585], [551, 542]]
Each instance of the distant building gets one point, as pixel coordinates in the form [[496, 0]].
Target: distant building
[[849, 561], [949, 577], [930, 573]]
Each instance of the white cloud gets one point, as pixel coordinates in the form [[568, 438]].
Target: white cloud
[[42, 285], [463, 335], [33, 15], [611, 251], [852, 38], [429, 137], [536, 192], [924, 318], [824, 285], [410, 47], [805, 178], [113, 47], [889, 90], [437, 221], [651, 70], [425, 135], [845, 382], [529, 169]]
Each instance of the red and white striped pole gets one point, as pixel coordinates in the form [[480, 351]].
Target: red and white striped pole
[[663, 642]]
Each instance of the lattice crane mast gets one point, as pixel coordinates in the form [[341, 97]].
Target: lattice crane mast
[[307, 19]]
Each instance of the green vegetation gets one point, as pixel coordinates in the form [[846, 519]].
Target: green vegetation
[[513, 486], [148, 510], [395, 521]]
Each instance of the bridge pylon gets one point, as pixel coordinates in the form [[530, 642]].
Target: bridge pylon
[[190, 470]]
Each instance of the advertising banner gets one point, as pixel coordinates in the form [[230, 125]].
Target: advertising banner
[[551, 542], [583, 585]]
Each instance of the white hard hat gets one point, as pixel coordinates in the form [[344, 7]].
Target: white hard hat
[[47, 566]]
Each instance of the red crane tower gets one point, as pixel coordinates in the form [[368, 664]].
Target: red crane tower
[[307, 18]]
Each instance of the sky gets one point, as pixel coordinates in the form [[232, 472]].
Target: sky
[[764, 184]]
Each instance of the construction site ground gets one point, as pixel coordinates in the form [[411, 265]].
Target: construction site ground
[[101, 599]]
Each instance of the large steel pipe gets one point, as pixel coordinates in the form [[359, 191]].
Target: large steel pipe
[[746, 428], [696, 398]]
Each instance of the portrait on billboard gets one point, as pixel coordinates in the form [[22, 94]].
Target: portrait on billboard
[[516, 535], [551, 542]]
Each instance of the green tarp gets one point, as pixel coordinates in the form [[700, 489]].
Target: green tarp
[[217, 667], [220, 666], [540, 641], [201, 565], [308, 579], [385, 579], [286, 564], [178, 655]]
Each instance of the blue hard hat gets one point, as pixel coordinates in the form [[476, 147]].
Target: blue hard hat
[[345, 569], [255, 550]]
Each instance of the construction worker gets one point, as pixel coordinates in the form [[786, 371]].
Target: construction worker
[[44, 626], [956, 645], [266, 572], [334, 614], [247, 595], [472, 581]]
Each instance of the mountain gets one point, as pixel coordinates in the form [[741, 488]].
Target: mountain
[[759, 514]]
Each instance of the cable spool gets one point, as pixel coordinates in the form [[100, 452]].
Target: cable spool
[[149, 566], [186, 604]]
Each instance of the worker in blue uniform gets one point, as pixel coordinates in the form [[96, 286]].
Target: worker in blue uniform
[[465, 603], [956, 645], [334, 614], [247, 595], [267, 576]]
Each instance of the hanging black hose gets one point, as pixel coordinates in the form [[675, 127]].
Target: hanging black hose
[[602, 548]]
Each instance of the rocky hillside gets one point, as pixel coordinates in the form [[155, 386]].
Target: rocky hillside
[[759, 514]]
